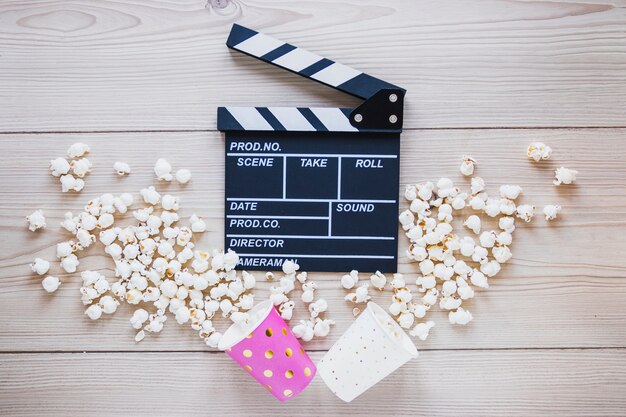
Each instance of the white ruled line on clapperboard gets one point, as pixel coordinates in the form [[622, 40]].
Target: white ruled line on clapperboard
[[317, 185]]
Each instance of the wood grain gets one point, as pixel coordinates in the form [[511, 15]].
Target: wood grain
[[564, 286], [151, 65], [449, 383], [141, 79]]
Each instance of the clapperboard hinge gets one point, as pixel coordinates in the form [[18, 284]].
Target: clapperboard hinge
[[382, 110], [317, 185]]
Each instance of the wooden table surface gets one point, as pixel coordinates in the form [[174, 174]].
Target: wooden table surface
[[141, 79]]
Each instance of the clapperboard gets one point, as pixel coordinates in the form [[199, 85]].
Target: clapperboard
[[315, 185]]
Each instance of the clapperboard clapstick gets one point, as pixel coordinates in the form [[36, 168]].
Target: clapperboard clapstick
[[315, 185]]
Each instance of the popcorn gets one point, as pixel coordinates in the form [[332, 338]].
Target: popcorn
[[360, 295], [406, 219], [40, 266], [477, 185], [183, 176], [431, 296], [286, 310], [290, 267], [122, 168], [458, 202], [308, 292], [304, 330], [322, 327], [467, 246], [448, 288], [504, 238], [406, 320], [94, 312], [140, 336], [105, 221], [398, 281], [425, 190], [564, 176], [378, 280], [507, 224], [69, 183], [169, 202], [50, 283], [77, 150], [348, 281], [445, 188], [197, 224], [427, 266], [81, 167], [538, 151], [108, 304], [182, 315], [507, 207], [427, 282], [150, 195], [460, 316], [410, 192], [59, 166], [467, 166], [525, 212], [477, 203], [551, 211], [473, 223], [479, 279], [70, 263], [492, 207], [501, 254], [36, 220], [421, 330], [213, 340], [490, 268], [443, 272], [444, 214], [488, 239], [450, 303], [480, 254], [318, 307], [163, 170], [510, 192], [466, 292]]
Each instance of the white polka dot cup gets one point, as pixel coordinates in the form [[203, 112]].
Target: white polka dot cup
[[373, 347]]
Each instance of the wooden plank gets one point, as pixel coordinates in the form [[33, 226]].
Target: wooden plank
[[146, 65], [563, 287], [443, 383]]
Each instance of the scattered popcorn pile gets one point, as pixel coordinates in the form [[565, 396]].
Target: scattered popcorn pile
[[60, 168], [157, 263], [306, 329], [451, 266]]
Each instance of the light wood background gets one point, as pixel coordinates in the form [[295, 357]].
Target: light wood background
[[138, 80]]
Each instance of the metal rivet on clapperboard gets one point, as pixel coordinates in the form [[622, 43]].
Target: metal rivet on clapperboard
[[358, 118], [393, 98], [393, 118]]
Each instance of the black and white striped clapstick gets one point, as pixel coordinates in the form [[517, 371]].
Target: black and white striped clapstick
[[382, 110]]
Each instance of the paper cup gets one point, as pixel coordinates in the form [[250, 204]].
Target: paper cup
[[268, 350], [373, 347]]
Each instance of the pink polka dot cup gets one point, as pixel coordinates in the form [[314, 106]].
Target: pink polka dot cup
[[267, 349]]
